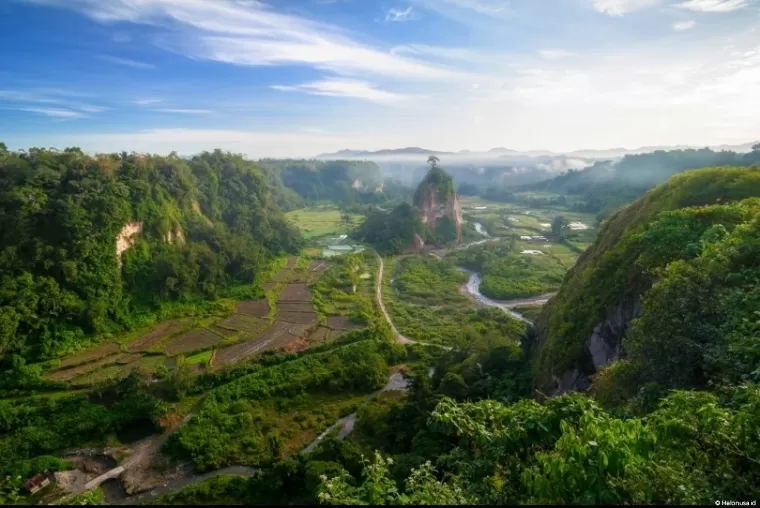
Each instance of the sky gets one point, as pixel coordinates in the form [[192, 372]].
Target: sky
[[294, 78]]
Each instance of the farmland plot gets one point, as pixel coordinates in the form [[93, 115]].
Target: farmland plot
[[191, 341], [242, 323], [258, 308], [159, 332], [303, 318], [91, 354], [282, 275], [278, 335], [69, 374], [320, 335], [296, 292], [294, 307]]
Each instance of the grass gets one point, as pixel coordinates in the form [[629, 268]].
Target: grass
[[321, 221], [202, 358]]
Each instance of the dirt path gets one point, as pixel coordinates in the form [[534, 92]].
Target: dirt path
[[181, 483]]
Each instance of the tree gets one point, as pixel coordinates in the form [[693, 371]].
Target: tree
[[558, 224], [756, 147], [433, 161]]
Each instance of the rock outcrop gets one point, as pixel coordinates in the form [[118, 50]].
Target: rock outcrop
[[126, 238], [604, 346], [439, 205]]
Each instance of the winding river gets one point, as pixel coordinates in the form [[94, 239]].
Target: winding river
[[473, 287]]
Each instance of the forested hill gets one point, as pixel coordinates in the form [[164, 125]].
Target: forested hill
[[185, 231], [684, 260], [607, 185]]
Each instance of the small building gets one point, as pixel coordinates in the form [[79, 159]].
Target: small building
[[539, 237], [534, 252], [528, 238], [36, 483]]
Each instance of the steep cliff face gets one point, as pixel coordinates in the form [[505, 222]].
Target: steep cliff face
[[585, 326], [439, 206]]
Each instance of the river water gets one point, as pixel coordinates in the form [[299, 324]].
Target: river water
[[473, 287]]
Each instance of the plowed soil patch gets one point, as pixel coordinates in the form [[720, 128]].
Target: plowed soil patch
[[91, 354], [277, 336], [242, 323], [270, 285], [304, 318], [224, 332], [292, 260], [282, 274], [341, 323], [191, 341], [294, 307], [253, 307], [69, 374], [296, 292], [159, 332]]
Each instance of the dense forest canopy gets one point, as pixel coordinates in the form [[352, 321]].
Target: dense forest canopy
[[197, 229]]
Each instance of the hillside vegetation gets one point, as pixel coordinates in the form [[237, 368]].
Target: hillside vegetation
[[683, 257], [196, 230]]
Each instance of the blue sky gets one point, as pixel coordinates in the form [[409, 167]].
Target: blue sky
[[299, 77]]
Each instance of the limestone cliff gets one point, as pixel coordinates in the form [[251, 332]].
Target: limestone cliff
[[439, 206]]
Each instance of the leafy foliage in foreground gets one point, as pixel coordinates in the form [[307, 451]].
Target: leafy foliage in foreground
[[207, 225], [691, 449]]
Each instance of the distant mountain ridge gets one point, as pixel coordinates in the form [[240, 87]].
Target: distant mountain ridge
[[502, 152]]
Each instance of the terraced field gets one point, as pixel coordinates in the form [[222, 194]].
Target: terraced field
[[159, 332], [90, 354], [304, 318], [110, 359], [341, 323], [296, 293], [276, 336], [243, 323], [194, 340], [258, 308]]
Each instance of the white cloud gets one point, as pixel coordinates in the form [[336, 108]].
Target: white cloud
[[55, 112], [714, 5], [346, 88], [253, 34], [554, 54], [53, 96], [127, 62], [394, 15], [621, 7], [684, 25], [185, 111], [90, 109]]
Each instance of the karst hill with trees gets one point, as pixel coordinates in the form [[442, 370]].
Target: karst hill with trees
[[99, 244]]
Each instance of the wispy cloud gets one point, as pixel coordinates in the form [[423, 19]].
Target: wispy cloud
[[434, 51], [127, 62], [554, 54], [481, 6], [253, 34], [684, 25], [55, 112], [621, 7], [714, 5], [147, 102], [396, 15], [185, 111], [346, 88], [64, 106]]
